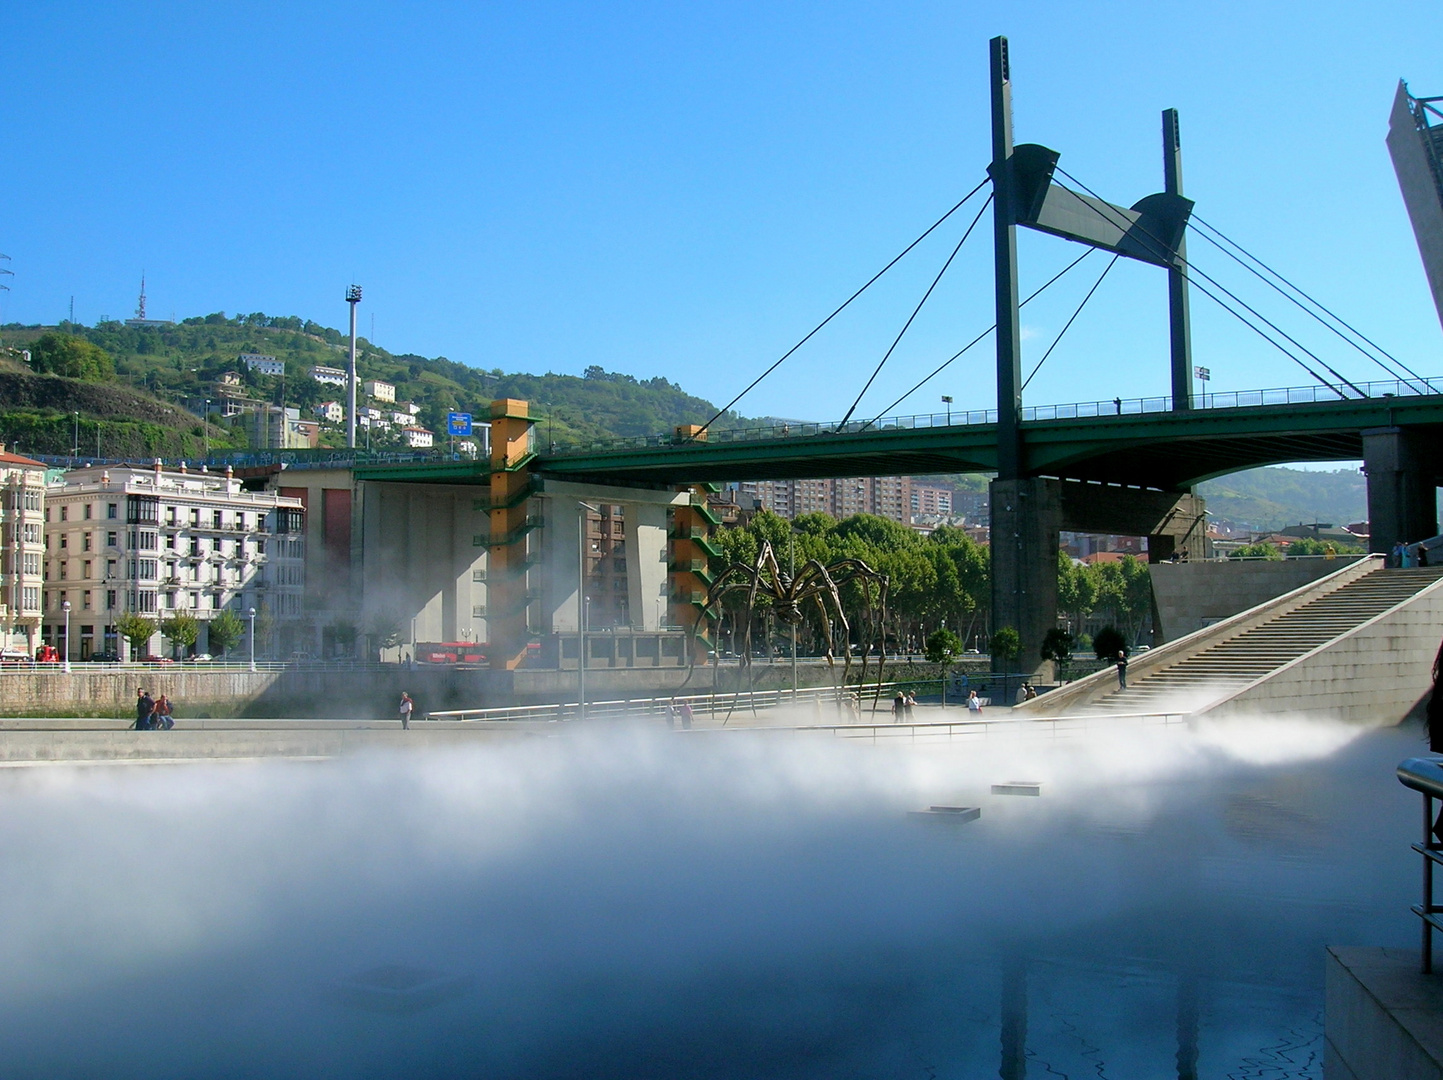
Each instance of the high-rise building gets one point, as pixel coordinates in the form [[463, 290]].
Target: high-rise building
[[884, 496], [155, 542], [22, 529]]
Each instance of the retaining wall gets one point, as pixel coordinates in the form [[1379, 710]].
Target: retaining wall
[[1193, 595]]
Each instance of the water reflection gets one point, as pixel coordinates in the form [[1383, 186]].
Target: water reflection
[[643, 906]]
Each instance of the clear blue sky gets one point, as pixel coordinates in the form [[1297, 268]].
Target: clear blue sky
[[686, 189]]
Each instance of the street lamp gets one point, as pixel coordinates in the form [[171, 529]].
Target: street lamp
[[65, 607], [253, 638], [947, 400], [205, 428], [581, 508]]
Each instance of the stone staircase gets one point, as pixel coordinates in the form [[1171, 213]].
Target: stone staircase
[[1195, 682]]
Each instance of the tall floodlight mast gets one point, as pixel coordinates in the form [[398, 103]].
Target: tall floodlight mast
[[353, 297]]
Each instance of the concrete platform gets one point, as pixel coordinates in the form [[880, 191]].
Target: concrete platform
[[1384, 1018]]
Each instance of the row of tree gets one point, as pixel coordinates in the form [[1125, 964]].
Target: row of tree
[[182, 630], [938, 581]]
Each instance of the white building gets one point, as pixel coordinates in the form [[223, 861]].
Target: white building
[[156, 543], [332, 375], [332, 412], [417, 438], [410, 408], [381, 391], [274, 428], [266, 365], [400, 419], [22, 528]]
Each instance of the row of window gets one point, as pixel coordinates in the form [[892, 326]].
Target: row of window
[[28, 499], [146, 510], [146, 540], [149, 570], [148, 600]]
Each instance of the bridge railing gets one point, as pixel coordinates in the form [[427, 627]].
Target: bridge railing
[[1227, 399]]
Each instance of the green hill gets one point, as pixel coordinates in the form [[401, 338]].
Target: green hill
[[180, 363], [1276, 497]]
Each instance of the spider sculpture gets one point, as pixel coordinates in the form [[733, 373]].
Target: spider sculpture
[[813, 583]]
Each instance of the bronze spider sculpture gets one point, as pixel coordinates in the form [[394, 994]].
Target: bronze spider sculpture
[[813, 583]]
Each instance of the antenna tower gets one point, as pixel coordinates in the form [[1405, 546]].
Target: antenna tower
[[140, 309]]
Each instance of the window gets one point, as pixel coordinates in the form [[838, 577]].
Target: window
[[110, 568], [195, 599], [112, 539], [86, 574], [64, 564], [32, 562], [32, 533], [215, 517], [170, 515], [478, 611], [240, 522], [87, 512], [142, 510], [110, 599], [194, 545], [65, 513], [85, 600], [195, 517], [32, 500], [32, 599], [619, 565], [110, 509], [147, 569], [64, 541]]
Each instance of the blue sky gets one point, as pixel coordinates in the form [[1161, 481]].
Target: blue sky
[[685, 190]]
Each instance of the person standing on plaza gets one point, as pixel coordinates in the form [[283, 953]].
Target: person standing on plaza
[[909, 703], [686, 715], [899, 707], [1122, 669], [407, 705], [974, 703]]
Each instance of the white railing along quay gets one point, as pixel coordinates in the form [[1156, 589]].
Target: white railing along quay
[[81, 667]]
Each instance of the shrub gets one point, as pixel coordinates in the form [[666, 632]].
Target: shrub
[[1108, 643]]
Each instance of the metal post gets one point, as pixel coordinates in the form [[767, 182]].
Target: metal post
[[1179, 322], [581, 508], [792, 570], [65, 607], [205, 428], [353, 297], [253, 639], [1428, 842], [1004, 234]]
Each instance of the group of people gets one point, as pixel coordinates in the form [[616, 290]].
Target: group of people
[[152, 713], [1025, 692], [675, 713], [903, 704]]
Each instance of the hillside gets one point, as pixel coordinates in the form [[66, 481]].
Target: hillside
[[181, 362], [1276, 497]]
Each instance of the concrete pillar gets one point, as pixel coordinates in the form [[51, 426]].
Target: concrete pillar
[[646, 564], [510, 525], [1402, 498], [1026, 520]]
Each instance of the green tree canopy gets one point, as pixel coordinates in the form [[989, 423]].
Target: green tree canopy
[[943, 646], [181, 630], [73, 357], [225, 630], [136, 629]]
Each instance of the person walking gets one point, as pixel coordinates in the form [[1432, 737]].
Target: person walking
[[1121, 669], [909, 703], [974, 703], [686, 715], [899, 707], [407, 705], [144, 709], [161, 717]]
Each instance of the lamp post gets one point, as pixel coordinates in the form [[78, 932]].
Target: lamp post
[[792, 571], [581, 508], [205, 428], [253, 638], [65, 607], [947, 400]]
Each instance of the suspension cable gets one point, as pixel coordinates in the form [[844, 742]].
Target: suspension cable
[[908, 324], [1125, 227], [958, 354], [1316, 303], [810, 334], [1070, 321]]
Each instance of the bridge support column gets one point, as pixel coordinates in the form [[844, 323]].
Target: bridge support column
[[507, 596], [1026, 521], [1402, 498]]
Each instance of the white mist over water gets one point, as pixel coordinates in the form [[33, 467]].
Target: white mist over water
[[631, 903]]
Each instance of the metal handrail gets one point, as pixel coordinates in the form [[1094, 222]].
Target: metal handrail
[[1227, 399], [1425, 775]]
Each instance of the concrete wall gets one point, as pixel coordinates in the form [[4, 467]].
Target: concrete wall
[[1079, 694], [1374, 674], [1192, 595], [1383, 1017]]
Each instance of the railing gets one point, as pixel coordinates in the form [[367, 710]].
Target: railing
[[1425, 775], [31, 667], [1229, 399]]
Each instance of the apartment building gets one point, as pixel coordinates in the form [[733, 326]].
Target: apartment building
[[22, 527], [332, 412], [380, 391], [417, 438], [158, 542], [331, 376], [884, 496], [266, 365]]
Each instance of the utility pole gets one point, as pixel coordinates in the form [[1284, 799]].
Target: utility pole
[[792, 570], [581, 509], [353, 297]]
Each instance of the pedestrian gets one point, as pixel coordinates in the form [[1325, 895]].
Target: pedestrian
[[899, 707], [407, 705], [686, 715], [671, 713], [144, 708], [1121, 669], [909, 704], [162, 714], [974, 703], [1031, 691], [1021, 694]]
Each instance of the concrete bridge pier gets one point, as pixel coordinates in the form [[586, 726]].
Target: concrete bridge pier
[[1402, 491], [1029, 514]]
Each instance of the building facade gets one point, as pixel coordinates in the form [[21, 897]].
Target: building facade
[[884, 496], [22, 529], [266, 365], [156, 543], [332, 376], [380, 391]]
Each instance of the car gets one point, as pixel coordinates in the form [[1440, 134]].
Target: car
[[109, 656], [10, 656], [199, 658], [972, 652]]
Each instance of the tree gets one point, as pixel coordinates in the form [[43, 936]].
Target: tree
[[386, 630], [1256, 551], [1108, 643], [1006, 644], [943, 646], [136, 629], [181, 630], [265, 626], [1057, 645], [225, 630], [73, 357]]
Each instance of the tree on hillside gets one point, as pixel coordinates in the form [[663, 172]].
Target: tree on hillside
[[72, 357]]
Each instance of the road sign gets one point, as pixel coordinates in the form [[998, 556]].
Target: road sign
[[1203, 374], [458, 424]]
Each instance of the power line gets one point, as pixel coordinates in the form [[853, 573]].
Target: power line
[[810, 334], [907, 325], [1125, 227], [1070, 321], [957, 355], [1316, 303]]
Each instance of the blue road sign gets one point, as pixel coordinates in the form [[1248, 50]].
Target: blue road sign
[[458, 423]]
